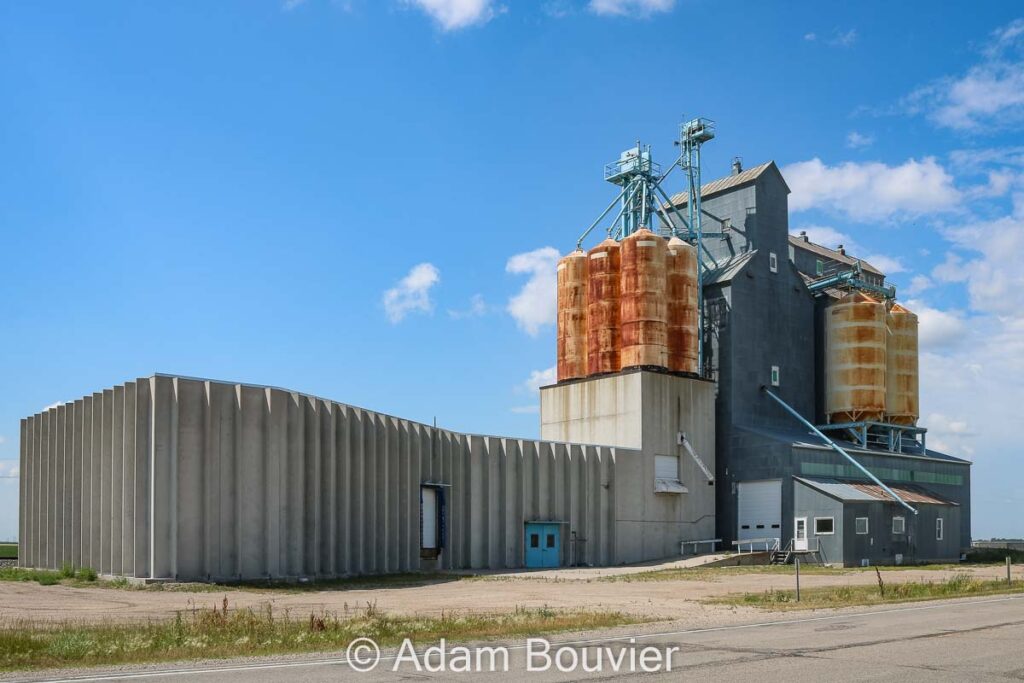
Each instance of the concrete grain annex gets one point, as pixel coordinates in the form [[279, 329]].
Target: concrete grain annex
[[177, 478]]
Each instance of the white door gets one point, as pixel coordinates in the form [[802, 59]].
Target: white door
[[760, 509], [800, 533], [429, 529]]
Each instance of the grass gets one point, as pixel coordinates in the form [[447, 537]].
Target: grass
[[957, 586], [994, 555], [8, 551], [224, 632], [67, 575], [716, 573]]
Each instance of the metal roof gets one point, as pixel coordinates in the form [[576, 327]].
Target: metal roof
[[728, 269], [722, 184], [857, 491], [833, 254]]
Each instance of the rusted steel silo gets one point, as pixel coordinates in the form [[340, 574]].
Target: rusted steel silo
[[603, 271], [643, 305], [902, 401], [681, 299], [855, 342], [572, 316]]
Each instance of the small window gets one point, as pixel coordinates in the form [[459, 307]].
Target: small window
[[823, 526], [861, 524], [534, 540], [550, 541], [792, 254], [666, 467], [819, 267], [938, 529], [726, 225], [899, 525], [775, 375], [773, 262]]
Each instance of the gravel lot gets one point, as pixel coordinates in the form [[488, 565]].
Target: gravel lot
[[677, 600]]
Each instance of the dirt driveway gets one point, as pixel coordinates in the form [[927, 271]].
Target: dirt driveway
[[566, 589]]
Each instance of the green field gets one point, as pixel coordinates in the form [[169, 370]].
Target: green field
[[8, 551]]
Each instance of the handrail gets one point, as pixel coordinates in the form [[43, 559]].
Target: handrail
[[770, 544]]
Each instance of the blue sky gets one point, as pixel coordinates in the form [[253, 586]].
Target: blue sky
[[363, 199]]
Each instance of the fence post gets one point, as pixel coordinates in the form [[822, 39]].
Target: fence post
[[1008, 582], [798, 579]]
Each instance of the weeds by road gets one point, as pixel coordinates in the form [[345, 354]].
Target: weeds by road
[[715, 573], [8, 551], [958, 586], [226, 632]]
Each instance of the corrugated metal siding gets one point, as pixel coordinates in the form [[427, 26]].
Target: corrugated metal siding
[[171, 477]]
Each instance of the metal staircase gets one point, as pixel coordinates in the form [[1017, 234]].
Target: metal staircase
[[788, 554]]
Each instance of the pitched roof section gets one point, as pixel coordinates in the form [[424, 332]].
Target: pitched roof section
[[819, 250], [728, 182], [728, 269], [857, 491]]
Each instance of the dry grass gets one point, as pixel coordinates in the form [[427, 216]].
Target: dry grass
[[958, 586], [225, 632], [716, 573]]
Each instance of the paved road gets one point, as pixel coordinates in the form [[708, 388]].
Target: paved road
[[952, 641]]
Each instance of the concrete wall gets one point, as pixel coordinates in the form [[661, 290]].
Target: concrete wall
[[170, 477], [644, 410]]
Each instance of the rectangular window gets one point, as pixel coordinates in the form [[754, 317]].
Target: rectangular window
[[775, 375], [861, 524], [938, 529], [792, 254], [666, 467], [899, 525], [819, 267], [726, 225], [551, 541], [824, 526], [773, 262]]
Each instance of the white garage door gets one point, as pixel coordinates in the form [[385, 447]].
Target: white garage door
[[760, 509]]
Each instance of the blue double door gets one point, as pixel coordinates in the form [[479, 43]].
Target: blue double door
[[543, 544]]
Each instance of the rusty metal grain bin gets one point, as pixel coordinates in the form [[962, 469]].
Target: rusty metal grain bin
[[902, 398], [603, 271], [643, 306], [681, 298], [572, 316], [855, 341]]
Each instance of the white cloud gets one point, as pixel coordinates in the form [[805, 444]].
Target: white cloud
[[3, 440], [855, 140], [918, 285], [636, 8], [452, 15], [531, 386], [872, 190], [950, 435], [412, 293], [995, 280], [540, 378], [829, 237], [810, 37], [937, 328], [535, 304], [289, 5], [9, 469], [53, 405], [890, 265], [989, 95], [843, 38], [477, 307]]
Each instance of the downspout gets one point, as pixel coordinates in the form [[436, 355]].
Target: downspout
[[834, 446]]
